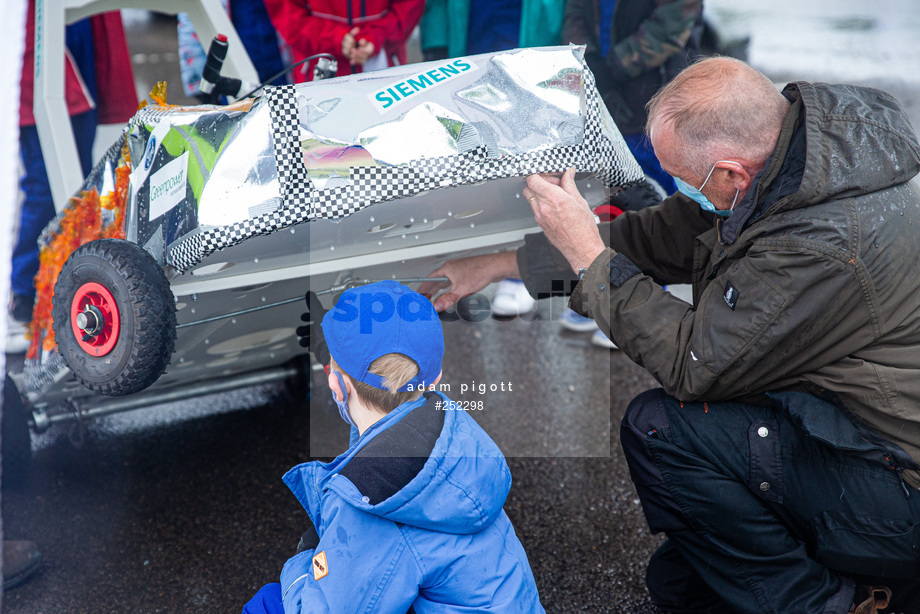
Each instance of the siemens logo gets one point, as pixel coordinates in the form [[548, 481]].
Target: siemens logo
[[386, 98]]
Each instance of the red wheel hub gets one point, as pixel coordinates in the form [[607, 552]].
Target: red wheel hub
[[94, 319]]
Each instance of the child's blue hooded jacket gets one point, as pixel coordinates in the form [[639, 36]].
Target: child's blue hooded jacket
[[410, 515]]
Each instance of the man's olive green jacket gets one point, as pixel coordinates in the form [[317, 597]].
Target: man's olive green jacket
[[813, 282]]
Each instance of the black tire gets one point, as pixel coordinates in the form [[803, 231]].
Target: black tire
[[144, 331], [15, 439]]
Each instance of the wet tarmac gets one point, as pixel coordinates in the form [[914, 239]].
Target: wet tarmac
[[188, 514], [181, 508]]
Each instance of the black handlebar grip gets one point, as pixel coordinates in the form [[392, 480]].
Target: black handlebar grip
[[213, 64]]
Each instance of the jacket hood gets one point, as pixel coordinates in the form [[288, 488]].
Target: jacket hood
[[858, 141], [460, 488], [837, 141]]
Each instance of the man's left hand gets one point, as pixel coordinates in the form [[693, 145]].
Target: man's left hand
[[565, 217], [311, 334]]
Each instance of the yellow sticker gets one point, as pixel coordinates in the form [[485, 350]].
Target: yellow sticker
[[320, 568]]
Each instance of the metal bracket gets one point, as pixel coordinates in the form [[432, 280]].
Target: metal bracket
[[40, 420], [77, 433]]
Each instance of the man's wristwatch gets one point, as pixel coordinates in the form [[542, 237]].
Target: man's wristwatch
[[581, 273]]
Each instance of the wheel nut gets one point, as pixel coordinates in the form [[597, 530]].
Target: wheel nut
[[89, 320]]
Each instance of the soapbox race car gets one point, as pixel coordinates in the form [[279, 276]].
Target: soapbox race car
[[181, 265]]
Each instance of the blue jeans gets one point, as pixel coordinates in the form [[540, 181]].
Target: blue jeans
[[768, 509], [266, 601], [642, 151], [259, 37], [38, 205]]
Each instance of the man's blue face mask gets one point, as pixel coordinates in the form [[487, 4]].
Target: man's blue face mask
[[697, 195]]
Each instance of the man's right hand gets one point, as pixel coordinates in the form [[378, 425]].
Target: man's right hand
[[468, 275]]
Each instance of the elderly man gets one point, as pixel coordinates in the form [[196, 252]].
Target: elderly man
[[781, 454]]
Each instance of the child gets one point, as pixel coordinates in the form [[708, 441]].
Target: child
[[411, 515]]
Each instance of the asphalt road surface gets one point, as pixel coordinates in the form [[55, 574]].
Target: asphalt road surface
[[181, 508]]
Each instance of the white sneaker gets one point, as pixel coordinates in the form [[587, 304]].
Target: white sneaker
[[578, 323], [16, 342], [600, 339], [512, 299]]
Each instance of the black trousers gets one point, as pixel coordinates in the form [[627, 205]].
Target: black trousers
[[769, 509]]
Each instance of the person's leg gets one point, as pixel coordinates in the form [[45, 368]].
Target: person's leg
[[642, 151], [78, 37], [512, 299], [259, 38], [84, 134], [266, 601], [700, 499], [37, 211], [38, 204], [759, 510], [675, 586]]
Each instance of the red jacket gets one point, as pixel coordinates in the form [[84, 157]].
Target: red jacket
[[114, 77], [318, 26]]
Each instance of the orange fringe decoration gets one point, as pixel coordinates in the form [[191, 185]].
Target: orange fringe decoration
[[81, 223]]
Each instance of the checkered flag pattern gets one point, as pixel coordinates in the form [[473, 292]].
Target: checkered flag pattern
[[296, 190], [296, 187], [376, 184], [603, 152], [149, 116]]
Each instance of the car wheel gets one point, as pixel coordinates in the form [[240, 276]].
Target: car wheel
[[114, 317]]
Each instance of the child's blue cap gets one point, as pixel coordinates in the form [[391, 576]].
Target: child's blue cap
[[383, 318]]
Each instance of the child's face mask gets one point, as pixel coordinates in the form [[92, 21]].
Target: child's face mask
[[343, 404], [696, 193]]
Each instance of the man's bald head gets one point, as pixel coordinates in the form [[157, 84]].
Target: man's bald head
[[718, 108]]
